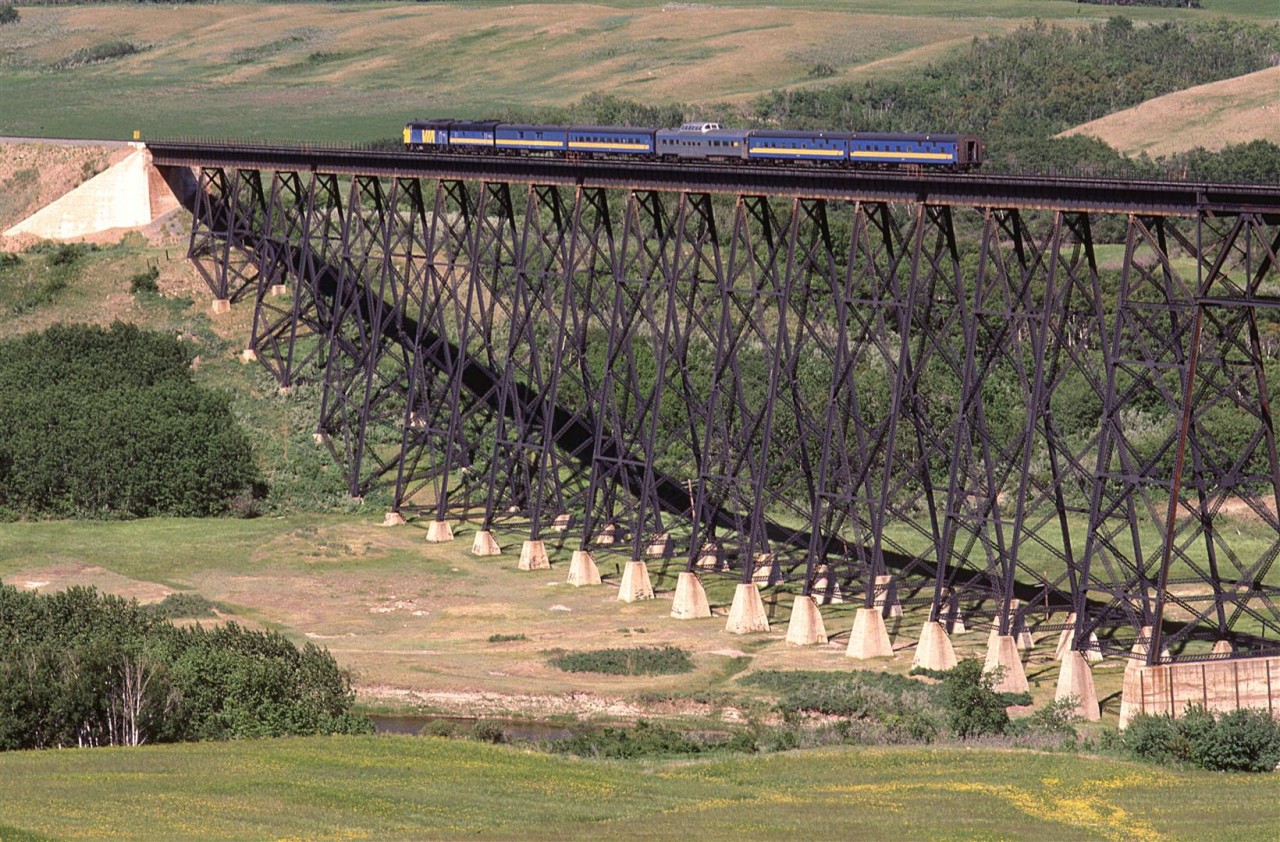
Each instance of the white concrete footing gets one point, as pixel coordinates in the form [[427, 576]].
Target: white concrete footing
[[1066, 638], [393, 519], [1222, 647], [560, 522], [886, 596], [278, 289], [220, 306], [533, 556], [934, 651], [659, 546], [439, 532], [1002, 653], [805, 627], [582, 569], [485, 544], [826, 587], [690, 602], [608, 535], [248, 355], [765, 571], [1075, 680], [747, 614], [870, 636], [710, 557], [635, 583], [1141, 647]]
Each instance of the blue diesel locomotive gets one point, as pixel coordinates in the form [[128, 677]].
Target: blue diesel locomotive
[[701, 141]]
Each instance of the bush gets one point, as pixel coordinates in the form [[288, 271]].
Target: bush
[[135, 436], [973, 708], [185, 605], [647, 739], [1239, 741], [506, 638], [8, 14], [647, 660], [78, 668], [145, 281], [486, 731]]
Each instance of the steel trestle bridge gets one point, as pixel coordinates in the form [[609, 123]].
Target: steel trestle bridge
[[1021, 398]]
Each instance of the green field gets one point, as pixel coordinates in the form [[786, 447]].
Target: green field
[[426, 788], [335, 72]]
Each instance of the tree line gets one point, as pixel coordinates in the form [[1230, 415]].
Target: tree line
[[79, 668], [110, 423]]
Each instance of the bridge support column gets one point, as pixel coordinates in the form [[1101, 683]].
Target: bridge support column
[[870, 637], [533, 556], [635, 583], [485, 544], [691, 598], [583, 570], [934, 651], [393, 518], [747, 613], [886, 598], [1002, 654], [1075, 681], [805, 627], [439, 532], [1220, 686]]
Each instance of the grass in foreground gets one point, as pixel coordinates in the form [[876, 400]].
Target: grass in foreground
[[384, 787]]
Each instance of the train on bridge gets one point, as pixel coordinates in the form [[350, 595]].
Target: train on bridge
[[700, 142]]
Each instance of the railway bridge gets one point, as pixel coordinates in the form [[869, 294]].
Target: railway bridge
[[997, 403]]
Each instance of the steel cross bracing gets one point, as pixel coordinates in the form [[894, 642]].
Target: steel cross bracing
[[813, 392]]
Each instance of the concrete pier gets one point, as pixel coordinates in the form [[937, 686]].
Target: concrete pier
[[765, 571], [659, 546], [934, 651], [439, 532], [485, 544], [747, 614], [533, 556], [1221, 686], [583, 570], [635, 583], [561, 522], [870, 637], [1002, 653], [1075, 680], [805, 627], [393, 519], [608, 535], [690, 602], [886, 596]]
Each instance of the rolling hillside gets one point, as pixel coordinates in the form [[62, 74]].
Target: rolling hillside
[[1211, 116]]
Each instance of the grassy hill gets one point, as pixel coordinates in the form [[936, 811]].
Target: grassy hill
[[353, 72], [406, 788], [1211, 116]]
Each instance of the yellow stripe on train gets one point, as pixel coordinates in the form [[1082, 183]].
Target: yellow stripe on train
[[760, 150], [554, 144], [926, 156], [585, 145]]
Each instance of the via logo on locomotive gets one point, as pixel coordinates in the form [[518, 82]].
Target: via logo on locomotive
[[699, 141]]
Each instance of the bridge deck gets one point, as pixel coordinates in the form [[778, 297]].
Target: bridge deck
[[970, 189]]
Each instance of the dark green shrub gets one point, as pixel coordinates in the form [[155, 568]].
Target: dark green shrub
[[1155, 738], [182, 604], [438, 728], [487, 731], [973, 707], [145, 281], [8, 14], [1240, 741], [73, 662], [646, 660], [506, 638], [135, 436], [648, 739]]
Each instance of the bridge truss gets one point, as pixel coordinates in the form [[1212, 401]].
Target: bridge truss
[[1016, 399]]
